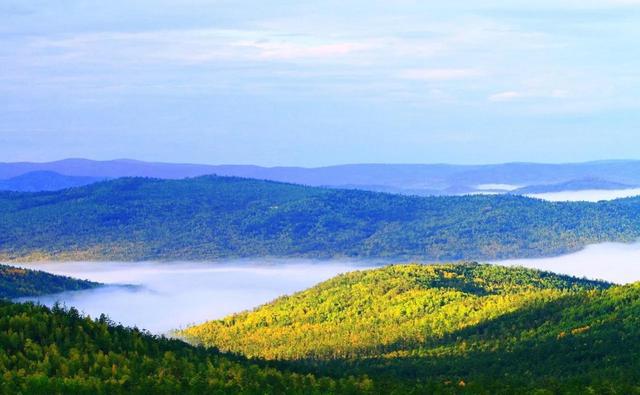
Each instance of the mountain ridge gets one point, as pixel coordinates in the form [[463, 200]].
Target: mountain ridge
[[43, 180], [421, 179], [214, 217]]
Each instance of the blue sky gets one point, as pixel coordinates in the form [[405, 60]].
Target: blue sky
[[319, 83]]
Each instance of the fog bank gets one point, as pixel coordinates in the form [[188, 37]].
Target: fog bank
[[614, 262], [176, 294], [592, 195]]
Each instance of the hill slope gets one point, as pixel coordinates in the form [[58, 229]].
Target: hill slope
[[452, 329], [214, 217], [39, 181], [17, 282], [389, 310], [45, 351]]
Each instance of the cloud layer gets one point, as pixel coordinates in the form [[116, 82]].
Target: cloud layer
[[525, 81], [174, 295], [612, 262]]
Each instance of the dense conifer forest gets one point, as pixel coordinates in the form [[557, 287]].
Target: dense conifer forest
[[57, 351], [221, 217], [402, 329], [451, 328], [17, 282]]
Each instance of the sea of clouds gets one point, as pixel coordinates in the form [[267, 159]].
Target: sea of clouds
[[594, 195], [614, 262], [173, 295]]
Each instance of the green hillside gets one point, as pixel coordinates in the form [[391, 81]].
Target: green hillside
[[380, 311], [469, 327], [215, 217], [17, 282], [45, 351]]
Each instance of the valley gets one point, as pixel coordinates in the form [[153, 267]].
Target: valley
[[319, 198], [162, 297], [400, 328]]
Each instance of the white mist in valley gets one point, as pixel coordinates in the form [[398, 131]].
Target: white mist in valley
[[173, 295], [614, 262], [594, 195]]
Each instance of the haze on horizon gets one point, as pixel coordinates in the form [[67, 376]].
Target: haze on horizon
[[302, 84]]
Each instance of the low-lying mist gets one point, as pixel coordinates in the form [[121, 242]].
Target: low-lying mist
[[173, 295], [594, 195], [614, 262]]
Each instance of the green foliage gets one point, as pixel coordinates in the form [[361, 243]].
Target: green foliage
[[402, 329], [215, 217], [57, 351], [452, 329], [17, 282], [388, 310]]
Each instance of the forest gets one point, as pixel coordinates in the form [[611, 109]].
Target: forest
[[214, 217], [402, 329], [450, 328], [58, 351], [18, 282]]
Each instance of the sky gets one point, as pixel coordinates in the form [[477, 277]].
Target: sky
[[302, 83]]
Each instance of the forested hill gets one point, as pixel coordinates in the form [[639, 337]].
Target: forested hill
[[392, 310], [57, 351], [466, 328], [17, 282], [215, 217]]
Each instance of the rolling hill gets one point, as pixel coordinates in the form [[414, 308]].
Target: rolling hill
[[221, 217], [464, 328], [38, 181], [58, 351], [408, 179], [17, 282], [392, 310]]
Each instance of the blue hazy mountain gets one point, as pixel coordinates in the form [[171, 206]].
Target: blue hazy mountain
[[213, 217], [573, 185], [38, 181], [415, 179]]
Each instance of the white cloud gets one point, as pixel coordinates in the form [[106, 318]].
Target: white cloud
[[283, 50], [608, 261], [439, 74], [197, 46], [559, 93], [505, 96]]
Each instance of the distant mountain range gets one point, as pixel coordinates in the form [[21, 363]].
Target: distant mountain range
[[574, 185], [409, 179], [38, 181], [213, 217]]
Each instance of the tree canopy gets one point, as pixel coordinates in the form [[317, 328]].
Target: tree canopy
[[224, 217]]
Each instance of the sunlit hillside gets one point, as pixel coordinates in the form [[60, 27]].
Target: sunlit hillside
[[492, 328]]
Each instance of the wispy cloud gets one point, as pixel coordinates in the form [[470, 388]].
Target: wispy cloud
[[282, 50], [195, 46], [508, 96], [439, 74], [505, 96]]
